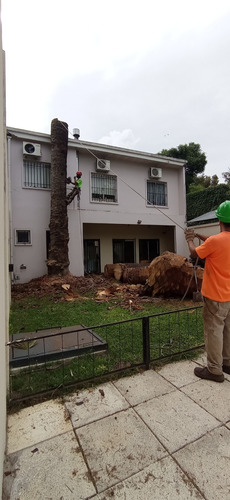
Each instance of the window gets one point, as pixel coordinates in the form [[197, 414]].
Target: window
[[123, 251], [92, 256], [157, 193], [148, 249], [103, 188], [36, 174], [22, 237]]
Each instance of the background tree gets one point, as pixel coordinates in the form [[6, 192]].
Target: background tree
[[214, 180], [196, 160], [58, 261], [226, 176]]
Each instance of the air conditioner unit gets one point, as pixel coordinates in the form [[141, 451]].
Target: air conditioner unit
[[103, 165], [155, 172], [31, 149]]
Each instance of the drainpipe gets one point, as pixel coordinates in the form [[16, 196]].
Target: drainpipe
[[10, 202]]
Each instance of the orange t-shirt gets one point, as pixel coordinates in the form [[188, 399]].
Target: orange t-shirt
[[216, 279]]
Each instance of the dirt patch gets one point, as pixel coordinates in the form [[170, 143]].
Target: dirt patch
[[99, 287], [55, 285]]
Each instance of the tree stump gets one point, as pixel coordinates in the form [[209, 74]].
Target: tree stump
[[172, 275]]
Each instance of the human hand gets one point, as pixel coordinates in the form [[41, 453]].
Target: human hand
[[189, 234]]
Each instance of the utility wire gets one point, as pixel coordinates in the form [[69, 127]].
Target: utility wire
[[127, 184]]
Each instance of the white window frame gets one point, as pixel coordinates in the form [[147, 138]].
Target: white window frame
[[21, 243], [103, 196], [32, 179], [149, 204]]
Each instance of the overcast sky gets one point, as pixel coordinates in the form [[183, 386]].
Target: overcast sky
[[145, 75]]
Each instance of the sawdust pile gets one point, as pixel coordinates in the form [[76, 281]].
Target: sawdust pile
[[168, 276], [71, 288], [54, 285]]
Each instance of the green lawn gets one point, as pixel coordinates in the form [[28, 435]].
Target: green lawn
[[169, 334]]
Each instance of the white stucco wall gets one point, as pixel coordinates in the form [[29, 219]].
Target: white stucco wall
[[207, 229], [31, 211], [4, 261], [107, 232], [31, 207]]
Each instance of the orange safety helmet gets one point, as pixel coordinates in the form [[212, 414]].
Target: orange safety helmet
[[79, 173]]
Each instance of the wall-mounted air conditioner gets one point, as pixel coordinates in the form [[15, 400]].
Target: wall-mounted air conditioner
[[31, 149], [103, 165], [155, 172]]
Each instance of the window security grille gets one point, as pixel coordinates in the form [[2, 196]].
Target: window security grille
[[36, 174], [157, 193], [22, 237], [103, 188]]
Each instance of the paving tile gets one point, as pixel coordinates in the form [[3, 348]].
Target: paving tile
[[207, 461], [179, 373], [162, 480], [117, 447], [201, 360], [143, 386], [175, 419], [227, 376], [36, 423], [213, 397], [90, 405], [55, 471]]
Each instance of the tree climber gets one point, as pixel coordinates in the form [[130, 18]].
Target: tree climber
[[76, 191]]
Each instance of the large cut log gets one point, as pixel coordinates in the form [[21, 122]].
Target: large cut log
[[171, 275], [135, 275], [109, 270], [114, 271], [127, 273]]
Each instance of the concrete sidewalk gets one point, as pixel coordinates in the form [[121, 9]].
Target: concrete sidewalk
[[156, 435]]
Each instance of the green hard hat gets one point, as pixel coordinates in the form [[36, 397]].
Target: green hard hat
[[223, 211]]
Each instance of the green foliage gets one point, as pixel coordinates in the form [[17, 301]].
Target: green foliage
[[214, 180], [199, 203], [203, 182], [196, 188], [196, 159], [226, 176]]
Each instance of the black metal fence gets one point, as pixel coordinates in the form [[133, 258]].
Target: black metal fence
[[63, 357]]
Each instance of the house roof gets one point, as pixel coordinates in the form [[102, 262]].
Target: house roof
[[103, 149], [208, 216]]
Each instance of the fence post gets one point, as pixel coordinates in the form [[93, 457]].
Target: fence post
[[146, 341]]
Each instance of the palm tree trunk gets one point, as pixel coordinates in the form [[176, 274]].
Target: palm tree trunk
[[58, 261]]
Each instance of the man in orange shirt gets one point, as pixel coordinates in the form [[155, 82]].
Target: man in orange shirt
[[216, 295]]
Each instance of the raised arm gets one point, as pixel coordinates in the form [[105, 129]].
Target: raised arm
[[200, 236]]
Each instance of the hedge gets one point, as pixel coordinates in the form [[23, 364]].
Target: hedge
[[204, 201]]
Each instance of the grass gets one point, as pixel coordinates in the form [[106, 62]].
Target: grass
[[170, 334], [32, 314]]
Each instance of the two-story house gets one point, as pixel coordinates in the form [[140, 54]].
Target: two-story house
[[132, 205]]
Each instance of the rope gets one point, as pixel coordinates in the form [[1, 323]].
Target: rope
[[127, 184], [189, 283], [154, 206]]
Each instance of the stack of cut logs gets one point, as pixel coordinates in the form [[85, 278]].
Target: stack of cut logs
[[169, 275]]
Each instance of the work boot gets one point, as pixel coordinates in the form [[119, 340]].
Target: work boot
[[206, 374], [226, 369]]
